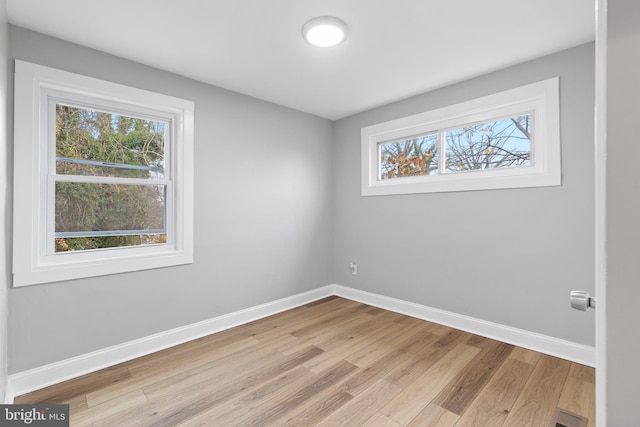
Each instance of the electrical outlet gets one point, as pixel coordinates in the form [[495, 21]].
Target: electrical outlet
[[354, 268]]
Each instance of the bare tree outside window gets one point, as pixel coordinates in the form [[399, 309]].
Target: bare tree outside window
[[503, 143], [498, 144], [409, 157]]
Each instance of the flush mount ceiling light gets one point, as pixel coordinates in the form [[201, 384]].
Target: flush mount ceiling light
[[324, 31]]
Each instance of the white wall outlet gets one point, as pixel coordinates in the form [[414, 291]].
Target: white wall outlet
[[354, 268]]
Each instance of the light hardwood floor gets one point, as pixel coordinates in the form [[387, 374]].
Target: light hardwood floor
[[334, 362]]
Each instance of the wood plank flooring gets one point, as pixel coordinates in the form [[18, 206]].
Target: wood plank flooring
[[334, 362]]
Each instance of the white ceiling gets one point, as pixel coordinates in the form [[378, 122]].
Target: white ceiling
[[395, 48]]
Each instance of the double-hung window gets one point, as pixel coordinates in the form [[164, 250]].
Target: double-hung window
[[507, 140], [103, 180]]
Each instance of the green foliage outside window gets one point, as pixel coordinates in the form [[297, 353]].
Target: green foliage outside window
[[110, 145]]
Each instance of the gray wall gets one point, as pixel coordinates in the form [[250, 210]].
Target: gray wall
[[5, 250], [275, 199], [505, 256], [263, 227], [623, 211]]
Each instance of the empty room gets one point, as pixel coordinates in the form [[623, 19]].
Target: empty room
[[331, 213]]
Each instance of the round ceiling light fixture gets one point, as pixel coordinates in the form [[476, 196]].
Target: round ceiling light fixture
[[325, 31]]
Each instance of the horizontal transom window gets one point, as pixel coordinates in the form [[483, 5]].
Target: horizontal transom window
[[506, 140]]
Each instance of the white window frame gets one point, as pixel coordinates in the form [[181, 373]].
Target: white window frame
[[540, 99], [37, 88]]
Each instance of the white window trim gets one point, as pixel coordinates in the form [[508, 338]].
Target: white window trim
[[33, 263], [541, 98]]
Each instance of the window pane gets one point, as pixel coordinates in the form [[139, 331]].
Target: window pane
[[66, 166], [409, 157], [108, 210], [102, 144], [499, 144]]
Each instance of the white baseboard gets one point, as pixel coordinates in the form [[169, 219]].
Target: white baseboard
[[37, 378], [563, 349], [34, 379]]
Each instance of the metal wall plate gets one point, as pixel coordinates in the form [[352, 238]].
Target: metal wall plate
[[564, 418]]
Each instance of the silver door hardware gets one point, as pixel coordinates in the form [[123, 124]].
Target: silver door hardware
[[581, 300]]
